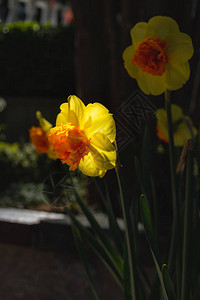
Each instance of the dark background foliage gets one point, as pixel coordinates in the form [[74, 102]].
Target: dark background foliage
[[40, 66], [36, 60]]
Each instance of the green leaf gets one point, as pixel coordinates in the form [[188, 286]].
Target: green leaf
[[146, 217], [98, 249], [155, 292], [146, 158], [114, 227], [164, 293], [197, 293], [187, 237], [127, 283], [110, 250], [168, 283], [130, 240], [81, 250]]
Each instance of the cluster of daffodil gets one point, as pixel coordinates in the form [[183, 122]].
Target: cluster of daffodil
[[84, 138], [159, 54]]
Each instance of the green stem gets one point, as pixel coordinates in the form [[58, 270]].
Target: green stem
[[107, 245], [129, 237], [174, 241], [81, 250], [117, 235], [186, 275], [98, 247], [155, 208], [195, 242], [178, 272]]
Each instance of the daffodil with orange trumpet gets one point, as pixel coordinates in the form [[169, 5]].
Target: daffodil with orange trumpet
[[83, 137], [159, 54]]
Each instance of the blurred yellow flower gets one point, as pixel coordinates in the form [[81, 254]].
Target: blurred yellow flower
[[83, 137], [159, 54], [39, 136], [182, 125]]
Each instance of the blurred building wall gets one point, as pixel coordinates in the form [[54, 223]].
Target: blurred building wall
[[44, 11]]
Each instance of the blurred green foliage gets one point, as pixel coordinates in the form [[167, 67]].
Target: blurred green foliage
[[20, 172], [24, 174], [22, 195], [36, 60], [20, 162]]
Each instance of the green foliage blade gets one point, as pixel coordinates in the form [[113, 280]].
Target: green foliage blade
[[114, 256], [99, 249], [168, 283], [146, 217], [79, 244]]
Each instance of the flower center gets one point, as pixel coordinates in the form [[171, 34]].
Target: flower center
[[150, 56], [39, 139], [69, 144]]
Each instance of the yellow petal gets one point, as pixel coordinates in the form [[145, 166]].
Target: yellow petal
[[88, 167], [64, 108], [179, 48], [186, 128], [156, 84], [179, 140], [76, 111], [161, 116], [103, 159], [194, 130], [102, 151], [151, 84], [102, 121], [139, 33], [50, 153], [127, 56], [181, 134], [142, 82], [102, 173], [177, 112], [62, 117], [162, 26], [183, 130], [177, 75]]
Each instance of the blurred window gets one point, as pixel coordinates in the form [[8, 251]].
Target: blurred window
[[3, 11], [21, 12]]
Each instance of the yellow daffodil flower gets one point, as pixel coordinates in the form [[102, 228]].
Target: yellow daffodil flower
[[183, 126], [83, 137], [39, 136], [159, 54]]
